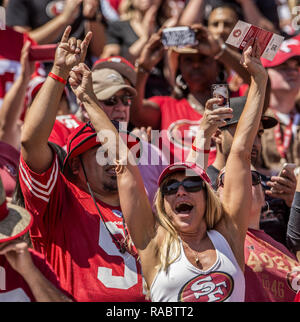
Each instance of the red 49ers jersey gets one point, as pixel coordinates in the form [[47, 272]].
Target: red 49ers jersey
[[179, 123], [75, 241], [63, 126]]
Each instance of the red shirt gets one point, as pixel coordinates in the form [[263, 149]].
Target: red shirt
[[68, 230], [271, 271], [13, 287], [63, 126], [179, 123]]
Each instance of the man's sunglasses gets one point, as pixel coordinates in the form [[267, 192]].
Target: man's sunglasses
[[256, 178], [189, 184], [113, 101]]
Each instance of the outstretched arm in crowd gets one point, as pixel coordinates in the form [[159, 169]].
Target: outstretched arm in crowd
[[293, 229], [209, 123], [18, 256], [42, 113], [237, 194], [130, 183], [13, 102]]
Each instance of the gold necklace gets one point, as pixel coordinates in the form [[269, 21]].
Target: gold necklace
[[197, 260]]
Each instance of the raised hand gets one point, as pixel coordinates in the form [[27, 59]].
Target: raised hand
[[207, 44], [18, 256], [80, 81], [71, 51], [71, 10], [251, 59], [152, 53], [214, 118], [27, 67]]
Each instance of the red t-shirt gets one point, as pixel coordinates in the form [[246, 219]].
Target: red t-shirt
[[63, 126], [179, 123], [13, 287], [68, 230], [271, 271]]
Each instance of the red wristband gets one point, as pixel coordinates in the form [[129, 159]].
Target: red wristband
[[61, 80], [200, 150]]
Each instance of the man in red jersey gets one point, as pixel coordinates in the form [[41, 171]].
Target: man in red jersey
[[78, 221]]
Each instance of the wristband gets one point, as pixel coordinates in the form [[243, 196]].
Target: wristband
[[200, 150], [59, 79]]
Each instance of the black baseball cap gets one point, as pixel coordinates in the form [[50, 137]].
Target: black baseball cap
[[237, 104]]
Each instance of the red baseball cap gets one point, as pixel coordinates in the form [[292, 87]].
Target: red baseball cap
[[183, 166], [84, 138], [120, 64], [288, 49]]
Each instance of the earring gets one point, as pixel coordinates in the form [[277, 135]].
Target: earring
[[180, 82]]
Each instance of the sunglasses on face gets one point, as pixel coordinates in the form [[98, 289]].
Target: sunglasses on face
[[189, 184], [113, 101], [256, 179]]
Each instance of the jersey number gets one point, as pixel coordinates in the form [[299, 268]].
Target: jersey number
[[130, 277]]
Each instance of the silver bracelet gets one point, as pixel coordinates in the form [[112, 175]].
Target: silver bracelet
[[220, 53]]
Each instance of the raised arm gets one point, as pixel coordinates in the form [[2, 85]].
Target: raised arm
[[237, 194], [135, 204], [13, 102], [49, 32], [17, 254], [42, 113], [144, 112]]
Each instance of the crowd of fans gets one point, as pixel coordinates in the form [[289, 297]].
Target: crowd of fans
[[193, 203]]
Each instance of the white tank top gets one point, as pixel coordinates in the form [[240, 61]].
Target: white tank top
[[183, 282]]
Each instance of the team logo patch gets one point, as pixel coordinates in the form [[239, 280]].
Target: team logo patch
[[293, 279], [215, 287], [54, 8], [118, 213], [182, 133], [237, 33]]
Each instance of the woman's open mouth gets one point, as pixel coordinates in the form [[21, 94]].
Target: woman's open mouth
[[183, 208]]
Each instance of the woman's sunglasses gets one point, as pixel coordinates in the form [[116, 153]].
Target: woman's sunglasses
[[256, 178], [189, 184], [113, 101]]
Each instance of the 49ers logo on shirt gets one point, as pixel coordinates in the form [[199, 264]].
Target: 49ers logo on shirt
[[182, 133], [215, 287], [55, 8]]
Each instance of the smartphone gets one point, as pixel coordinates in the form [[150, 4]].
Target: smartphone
[[178, 36], [220, 91], [287, 166], [42, 53]]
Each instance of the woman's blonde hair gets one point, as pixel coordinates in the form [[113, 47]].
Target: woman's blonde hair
[[170, 248]]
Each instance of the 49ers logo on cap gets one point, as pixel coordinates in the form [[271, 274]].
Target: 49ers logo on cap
[[215, 287]]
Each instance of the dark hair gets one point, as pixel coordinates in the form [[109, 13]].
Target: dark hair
[[181, 90], [221, 4]]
